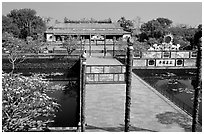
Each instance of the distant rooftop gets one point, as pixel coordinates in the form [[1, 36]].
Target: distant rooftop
[[86, 28]]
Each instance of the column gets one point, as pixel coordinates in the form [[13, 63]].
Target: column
[[83, 92], [90, 46], [197, 87], [114, 40], [128, 84], [105, 49], [62, 38], [53, 38]]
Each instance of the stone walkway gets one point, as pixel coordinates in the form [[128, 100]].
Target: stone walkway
[[105, 106]]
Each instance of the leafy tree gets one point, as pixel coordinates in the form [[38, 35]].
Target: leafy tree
[[126, 24], [164, 22], [156, 28], [71, 44], [13, 47], [24, 103], [121, 44], [8, 26], [140, 46], [16, 48], [27, 21], [183, 35], [198, 35]]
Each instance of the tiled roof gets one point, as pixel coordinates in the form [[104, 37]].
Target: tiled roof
[[86, 28], [86, 25]]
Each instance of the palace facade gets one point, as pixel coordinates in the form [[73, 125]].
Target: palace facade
[[102, 33]]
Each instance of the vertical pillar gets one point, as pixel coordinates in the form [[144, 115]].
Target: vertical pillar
[[53, 38], [128, 84], [62, 38], [90, 46], [114, 40], [81, 40], [84, 43], [105, 49], [83, 92], [198, 88], [80, 95]]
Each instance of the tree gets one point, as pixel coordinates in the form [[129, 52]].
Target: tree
[[156, 28], [71, 44], [27, 22], [126, 24], [183, 35], [8, 26], [13, 47], [164, 22], [24, 101], [16, 48], [198, 35]]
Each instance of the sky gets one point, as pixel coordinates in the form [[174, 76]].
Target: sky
[[189, 13]]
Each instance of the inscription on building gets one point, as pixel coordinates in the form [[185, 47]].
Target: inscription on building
[[165, 62]]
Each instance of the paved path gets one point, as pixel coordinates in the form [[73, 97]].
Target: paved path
[[105, 106]]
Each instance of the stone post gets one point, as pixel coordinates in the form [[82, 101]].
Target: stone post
[[128, 84], [83, 92]]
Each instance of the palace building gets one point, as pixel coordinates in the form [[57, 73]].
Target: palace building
[[101, 33]]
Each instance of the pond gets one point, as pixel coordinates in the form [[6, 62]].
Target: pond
[[176, 85], [66, 94]]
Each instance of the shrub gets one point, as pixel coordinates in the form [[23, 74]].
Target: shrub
[[25, 104]]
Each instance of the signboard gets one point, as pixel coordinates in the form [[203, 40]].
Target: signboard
[[105, 74], [165, 62]]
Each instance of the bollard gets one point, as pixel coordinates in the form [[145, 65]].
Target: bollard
[[128, 84], [83, 92]]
